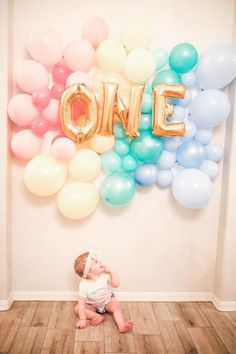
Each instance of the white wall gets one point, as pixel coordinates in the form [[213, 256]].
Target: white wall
[[154, 244]]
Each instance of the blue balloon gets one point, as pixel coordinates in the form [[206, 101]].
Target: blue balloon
[[214, 152], [179, 114], [164, 178], [186, 100], [210, 168], [190, 130], [189, 79], [171, 143], [190, 154], [203, 136], [166, 160], [146, 175]]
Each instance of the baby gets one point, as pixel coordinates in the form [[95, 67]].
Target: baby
[[95, 295]]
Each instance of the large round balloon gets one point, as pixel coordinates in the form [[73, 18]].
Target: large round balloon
[[118, 189], [183, 57], [147, 147], [169, 77], [192, 188], [190, 154], [77, 200], [85, 166], [217, 66], [209, 108]]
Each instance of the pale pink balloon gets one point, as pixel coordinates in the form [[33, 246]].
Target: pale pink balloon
[[60, 73], [79, 55], [31, 76], [25, 145], [95, 30], [51, 112], [79, 77], [57, 90], [41, 98], [21, 109], [40, 126], [45, 45], [63, 149]]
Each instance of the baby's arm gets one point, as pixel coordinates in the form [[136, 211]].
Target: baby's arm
[[114, 280], [81, 313]]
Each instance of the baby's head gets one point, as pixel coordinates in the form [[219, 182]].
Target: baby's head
[[88, 264]]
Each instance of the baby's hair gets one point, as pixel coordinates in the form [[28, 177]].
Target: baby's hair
[[79, 264]]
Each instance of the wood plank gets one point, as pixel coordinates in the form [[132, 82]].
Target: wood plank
[[90, 333], [67, 316], [207, 341], [175, 311], [42, 314], [187, 342], [192, 315], [55, 314], [143, 317], [58, 341], [149, 344], [170, 338], [89, 348], [161, 311], [30, 309], [28, 340]]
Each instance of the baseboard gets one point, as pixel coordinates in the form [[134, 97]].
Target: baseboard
[[121, 296]]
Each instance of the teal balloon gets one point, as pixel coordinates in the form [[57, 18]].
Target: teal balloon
[[148, 88], [161, 56], [169, 77], [129, 163], [146, 103], [118, 189], [183, 58], [111, 162], [147, 147], [121, 147], [119, 131], [145, 122]]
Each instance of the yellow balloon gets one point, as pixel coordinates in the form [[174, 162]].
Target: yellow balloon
[[77, 200], [85, 166], [140, 66], [137, 34], [102, 144], [111, 56], [45, 175]]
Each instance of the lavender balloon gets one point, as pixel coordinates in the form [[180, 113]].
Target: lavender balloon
[[146, 175]]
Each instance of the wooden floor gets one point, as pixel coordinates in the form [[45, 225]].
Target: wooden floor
[[159, 327]]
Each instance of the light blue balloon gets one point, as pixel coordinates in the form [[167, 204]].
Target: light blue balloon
[[164, 178], [190, 154], [167, 77], [145, 122], [119, 131], [161, 57], [183, 57], [178, 114], [210, 168], [209, 108], [172, 143], [118, 189], [190, 130], [186, 100], [189, 79], [146, 103], [192, 188], [166, 160], [129, 163], [214, 152], [111, 162], [121, 147], [204, 136], [146, 175]]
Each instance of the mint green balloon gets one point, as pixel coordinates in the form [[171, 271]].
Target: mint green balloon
[[147, 147], [161, 56], [169, 77], [145, 122], [111, 162], [118, 189], [146, 103], [183, 57], [148, 88], [129, 163], [121, 147], [119, 131]]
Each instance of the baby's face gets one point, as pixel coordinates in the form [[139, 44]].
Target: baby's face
[[96, 267]]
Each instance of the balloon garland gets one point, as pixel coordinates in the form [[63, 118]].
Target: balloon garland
[[144, 116]]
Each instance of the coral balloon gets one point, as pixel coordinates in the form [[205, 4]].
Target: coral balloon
[[41, 98], [25, 145], [60, 73], [31, 76], [40, 126], [95, 30], [57, 91], [85, 166], [21, 109]]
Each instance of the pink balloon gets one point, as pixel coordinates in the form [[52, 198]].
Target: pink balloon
[[40, 126], [25, 144], [51, 112], [57, 90], [63, 149], [45, 45], [60, 73], [21, 109], [41, 98], [79, 55], [31, 76], [79, 77], [95, 30]]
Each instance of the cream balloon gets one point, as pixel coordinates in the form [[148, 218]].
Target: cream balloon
[[77, 200], [111, 56], [85, 166], [45, 175], [137, 34], [140, 66], [102, 144]]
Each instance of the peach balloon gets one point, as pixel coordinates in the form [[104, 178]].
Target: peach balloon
[[21, 109], [79, 55], [111, 56], [45, 45], [95, 30], [25, 145], [63, 149], [51, 112], [102, 144], [79, 77]]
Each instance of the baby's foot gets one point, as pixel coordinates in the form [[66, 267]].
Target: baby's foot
[[126, 326], [97, 319]]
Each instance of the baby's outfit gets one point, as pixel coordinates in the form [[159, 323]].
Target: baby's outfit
[[97, 292]]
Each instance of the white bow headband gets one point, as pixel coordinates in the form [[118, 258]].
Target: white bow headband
[[93, 254]]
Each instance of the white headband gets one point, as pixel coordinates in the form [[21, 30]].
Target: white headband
[[93, 254]]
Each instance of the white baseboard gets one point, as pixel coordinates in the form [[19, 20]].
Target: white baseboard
[[121, 296]]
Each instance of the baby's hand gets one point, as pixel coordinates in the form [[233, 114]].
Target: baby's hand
[[81, 324], [106, 269]]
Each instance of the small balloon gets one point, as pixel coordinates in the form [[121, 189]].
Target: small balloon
[[146, 103], [95, 30], [121, 147], [183, 57], [147, 147], [204, 136], [79, 55], [190, 154], [210, 168], [63, 149], [25, 145], [85, 165], [111, 162], [102, 144], [214, 152], [60, 73], [129, 163], [167, 76], [40, 126], [161, 56], [164, 178], [166, 160], [21, 109], [41, 98], [146, 175]]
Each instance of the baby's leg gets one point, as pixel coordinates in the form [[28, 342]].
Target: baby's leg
[[114, 307], [90, 313]]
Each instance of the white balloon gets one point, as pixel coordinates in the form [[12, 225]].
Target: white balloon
[[140, 66], [210, 168], [137, 34], [102, 144], [85, 166], [111, 56]]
